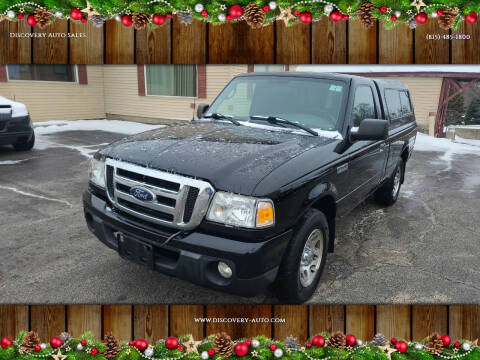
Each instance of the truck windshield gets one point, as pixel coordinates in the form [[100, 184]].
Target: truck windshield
[[313, 103]]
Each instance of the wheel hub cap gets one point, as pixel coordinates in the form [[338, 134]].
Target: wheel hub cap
[[311, 258]]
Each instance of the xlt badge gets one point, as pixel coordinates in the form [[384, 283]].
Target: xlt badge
[[342, 168]]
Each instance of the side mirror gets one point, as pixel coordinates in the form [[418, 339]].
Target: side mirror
[[370, 129], [201, 108]]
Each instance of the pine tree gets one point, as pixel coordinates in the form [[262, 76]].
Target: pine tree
[[455, 111], [473, 112]]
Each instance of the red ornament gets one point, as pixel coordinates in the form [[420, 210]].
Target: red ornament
[[236, 11], [84, 342], [20, 16], [131, 343], [421, 18], [229, 17], [84, 20], [127, 20], [38, 348], [446, 340], [142, 344], [248, 342], [56, 342], [471, 18], [31, 20], [169, 16], [159, 19], [266, 8], [456, 344], [296, 12], [351, 340], [345, 17], [401, 346], [94, 351], [393, 340], [383, 9], [318, 341], [211, 352], [171, 343], [6, 342], [204, 13], [393, 18], [181, 348], [273, 347], [76, 14], [439, 12], [306, 17], [308, 345], [241, 349], [336, 16]]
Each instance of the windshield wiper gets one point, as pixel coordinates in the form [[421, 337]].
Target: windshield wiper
[[280, 121], [218, 116]]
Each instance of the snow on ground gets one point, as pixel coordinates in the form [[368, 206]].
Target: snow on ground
[[12, 162]]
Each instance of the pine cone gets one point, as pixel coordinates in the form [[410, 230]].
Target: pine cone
[[98, 20], [379, 340], [223, 344], [254, 16], [412, 23], [42, 15], [447, 19], [65, 336], [29, 341], [113, 347], [365, 15], [434, 344], [140, 21], [186, 17], [291, 343], [337, 339]]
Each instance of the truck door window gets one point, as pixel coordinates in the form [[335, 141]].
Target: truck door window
[[394, 107], [363, 105]]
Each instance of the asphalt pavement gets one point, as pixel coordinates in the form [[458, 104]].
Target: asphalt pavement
[[424, 249]]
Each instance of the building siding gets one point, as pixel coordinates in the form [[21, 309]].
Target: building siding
[[50, 100]]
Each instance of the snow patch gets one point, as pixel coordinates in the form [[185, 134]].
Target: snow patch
[[35, 195], [324, 133], [13, 162]]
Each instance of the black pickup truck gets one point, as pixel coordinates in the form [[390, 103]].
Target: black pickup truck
[[246, 197], [15, 125]]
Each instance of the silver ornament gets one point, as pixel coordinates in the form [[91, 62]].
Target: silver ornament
[[222, 17], [418, 346], [278, 353], [149, 352], [204, 355], [255, 343], [79, 347], [466, 346], [118, 18], [58, 14], [359, 342], [397, 13], [434, 14], [328, 9], [272, 5], [199, 7], [43, 346], [11, 14]]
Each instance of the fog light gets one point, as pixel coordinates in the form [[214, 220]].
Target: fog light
[[224, 270]]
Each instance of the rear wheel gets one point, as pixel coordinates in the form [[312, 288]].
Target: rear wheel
[[25, 145], [388, 193]]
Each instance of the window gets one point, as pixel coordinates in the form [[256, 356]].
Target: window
[[65, 73], [363, 105], [394, 106], [405, 103], [398, 107], [268, 68], [171, 80]]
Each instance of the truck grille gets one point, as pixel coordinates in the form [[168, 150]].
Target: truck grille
[[178, 201]]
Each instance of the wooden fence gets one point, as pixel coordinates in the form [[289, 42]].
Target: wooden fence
[[200, 43], [157, 321]]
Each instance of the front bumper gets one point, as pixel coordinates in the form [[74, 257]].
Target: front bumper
[[14, 130], [192, 256]]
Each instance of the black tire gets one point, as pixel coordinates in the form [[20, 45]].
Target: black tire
[[26, 145], [388, 193], [289, 284]]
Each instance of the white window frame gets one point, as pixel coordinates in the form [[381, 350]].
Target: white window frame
[[170, 96], [283, 66], [75, 67]]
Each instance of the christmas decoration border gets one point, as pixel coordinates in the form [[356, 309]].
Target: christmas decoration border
[[323, 346], [257, 13]]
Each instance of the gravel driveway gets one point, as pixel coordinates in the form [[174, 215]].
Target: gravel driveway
[[424, 249]]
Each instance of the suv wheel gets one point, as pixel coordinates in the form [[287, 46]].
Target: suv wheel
[[388, 193], [25, 145], [304, 259]]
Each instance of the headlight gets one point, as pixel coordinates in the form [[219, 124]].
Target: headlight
[[239, 210], [96, 172], [19, 110]]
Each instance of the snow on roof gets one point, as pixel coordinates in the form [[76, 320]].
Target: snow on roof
[[354, 69]]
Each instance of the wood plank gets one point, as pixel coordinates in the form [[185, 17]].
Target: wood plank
[[189, 45], [294, 43], [464, 322], [428, 319], [237, 43], [51, 49], [13, 319], [182, 320], [150, 322], [119, 43], [236, 330], [328, 318], [395, 46], [83, 318], [153, 46], [329, 42], [466, 51], [14, 50], [118, 320], [429, 51], [47, 320], [362, 43], [394, 321], [296, 322], [89, 49], [360, 321]]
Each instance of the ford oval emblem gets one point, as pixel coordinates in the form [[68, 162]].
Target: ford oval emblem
[[142, 194]]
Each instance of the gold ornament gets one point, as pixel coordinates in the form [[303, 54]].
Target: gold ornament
[[89, 10], [418, 4], [389, 10], [349, 9], [254, 353], [409, 12], [59, 356], [128, 351], [191, 345], [286, 15], [387, 349]]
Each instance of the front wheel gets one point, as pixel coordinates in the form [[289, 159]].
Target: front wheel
[[25, 145], [388, 193], [304, 259]]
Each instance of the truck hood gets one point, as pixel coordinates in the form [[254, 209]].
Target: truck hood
[[18, 109], [232, 158]]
